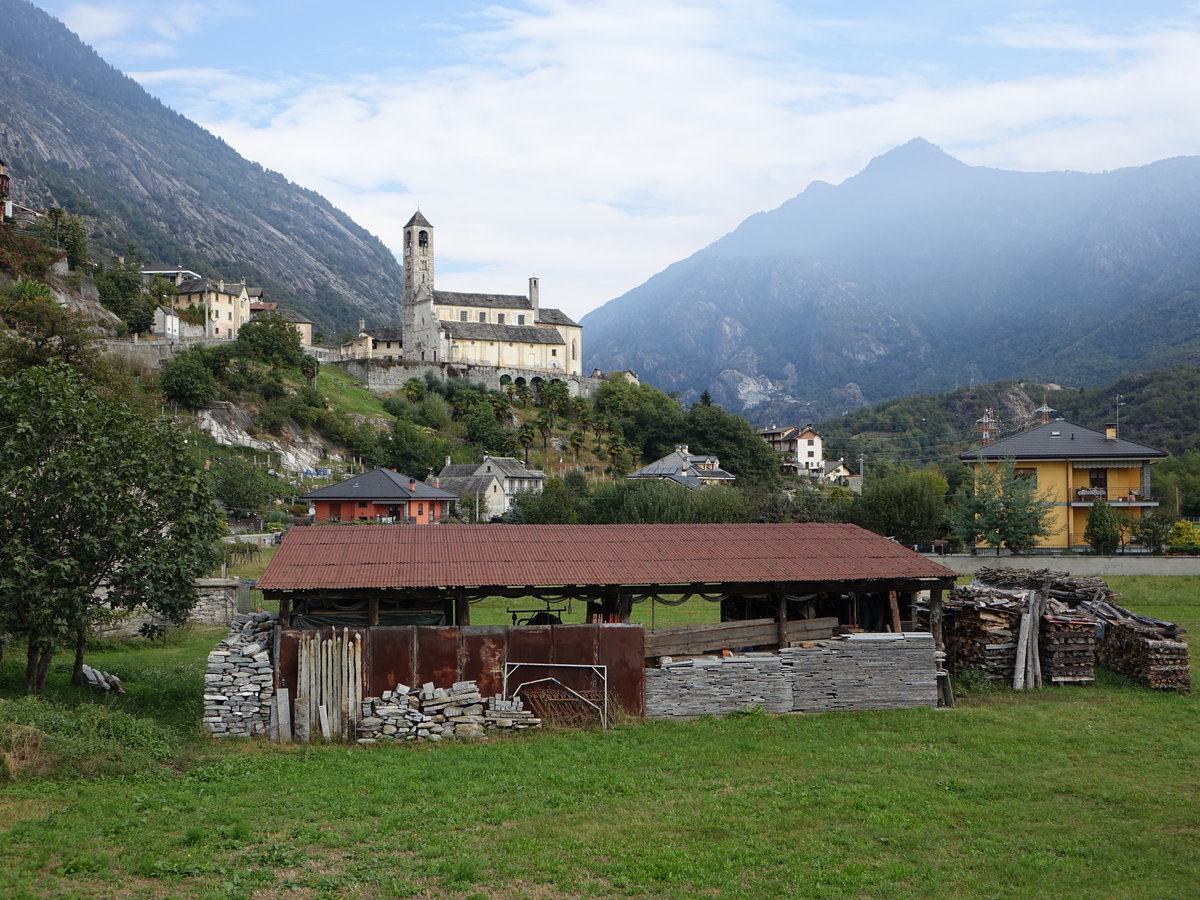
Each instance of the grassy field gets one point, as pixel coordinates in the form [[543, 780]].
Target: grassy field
[[1080, 792]]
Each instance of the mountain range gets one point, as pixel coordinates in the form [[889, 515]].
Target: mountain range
[[922, 273], [78, 134]]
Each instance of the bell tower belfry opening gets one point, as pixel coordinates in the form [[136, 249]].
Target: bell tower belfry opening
[[418, 257]]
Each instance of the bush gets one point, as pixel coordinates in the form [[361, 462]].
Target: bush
[[188, 381]]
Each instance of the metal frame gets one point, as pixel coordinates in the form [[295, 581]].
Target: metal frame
[[602, 671]]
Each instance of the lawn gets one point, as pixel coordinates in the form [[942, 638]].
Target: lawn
[[1085, 791]]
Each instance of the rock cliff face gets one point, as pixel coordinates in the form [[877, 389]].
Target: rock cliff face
[[77, 133], [921, 274]]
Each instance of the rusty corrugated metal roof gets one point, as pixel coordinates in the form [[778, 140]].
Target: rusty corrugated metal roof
[[406, 556]]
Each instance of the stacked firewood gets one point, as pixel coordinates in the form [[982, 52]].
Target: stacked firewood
[[1071, 590], [1147, 650], [1067, 646], [981, 627]]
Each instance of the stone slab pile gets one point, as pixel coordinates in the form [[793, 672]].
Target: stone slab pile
[[712, 685], [864, 671], [239, 682], [861, 671], [432, 713]]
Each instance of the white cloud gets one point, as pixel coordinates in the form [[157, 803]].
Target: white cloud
[[593, 143]]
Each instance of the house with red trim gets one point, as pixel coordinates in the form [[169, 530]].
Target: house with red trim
[[381, 495]]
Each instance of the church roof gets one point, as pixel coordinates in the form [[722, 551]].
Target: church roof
[[548, 316], [485, 331], [386, 333], [419, 220], [487, 301]]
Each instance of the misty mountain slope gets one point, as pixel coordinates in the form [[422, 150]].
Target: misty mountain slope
[[77, 133], [922, 273]]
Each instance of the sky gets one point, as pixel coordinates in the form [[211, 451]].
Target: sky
[[592, 143]]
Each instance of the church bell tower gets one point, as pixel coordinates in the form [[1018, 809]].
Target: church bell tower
[[418, 257]]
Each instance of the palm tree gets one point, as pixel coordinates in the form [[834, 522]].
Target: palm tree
[[525, 437]]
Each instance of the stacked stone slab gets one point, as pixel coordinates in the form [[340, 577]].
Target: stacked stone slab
[[863, 671], [715, 684], [239, 683], [432, 713]]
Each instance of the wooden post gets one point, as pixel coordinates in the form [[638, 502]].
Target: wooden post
[[781, 619], [935, 619], [894, 603], [462, 609], [373, 610]]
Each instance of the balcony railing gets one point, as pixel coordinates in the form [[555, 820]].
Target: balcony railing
[[1115, 496]]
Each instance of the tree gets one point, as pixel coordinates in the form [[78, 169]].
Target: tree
[[1152, 531], [1001, 507], [241, 487], [273, 340], [188, 381], [94, 494], [309, 368], [41, 330], [909, 506], [730, 438], [1103, 529]]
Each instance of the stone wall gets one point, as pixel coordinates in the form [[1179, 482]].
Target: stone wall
[[862, 671], [217, 604], [386, 375]]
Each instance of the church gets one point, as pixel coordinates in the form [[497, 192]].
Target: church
[[480, 329]]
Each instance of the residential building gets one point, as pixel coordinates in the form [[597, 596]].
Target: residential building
[[682, 467], [303, 325], [381, 495], [177, 275], [226, 304], [1073, 466], [496, 480], [166, 323], [480, 329], [799, 449]]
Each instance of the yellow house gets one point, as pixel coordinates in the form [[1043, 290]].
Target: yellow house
[[1074, 466], [226, 304]]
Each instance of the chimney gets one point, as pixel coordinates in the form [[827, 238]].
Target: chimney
[[533, 295], [1110, 431], [362, 325], [447, 460], [412, 484]]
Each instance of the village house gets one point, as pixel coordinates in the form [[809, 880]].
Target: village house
[[381, 495], [302, 325], [495, 482], [688, 469], [225, 304], [1073, 466], [798, 449], [480, 329]]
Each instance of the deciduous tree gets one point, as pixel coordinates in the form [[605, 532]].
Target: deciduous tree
[[93, 494]]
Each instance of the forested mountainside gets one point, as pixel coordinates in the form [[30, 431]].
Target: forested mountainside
[[922, 273], [78, 134]]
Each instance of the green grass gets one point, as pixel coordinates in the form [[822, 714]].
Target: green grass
[[348, 393], [1082, 792]]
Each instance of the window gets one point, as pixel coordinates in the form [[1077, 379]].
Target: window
[[423, 238], [499, 318], [1028, 473], [810, 442], [520, 318], [362, 504], [1098, 478], [231, 315], [812, 453], [483, 317], [462, 315], [554, 351], [420, 509]]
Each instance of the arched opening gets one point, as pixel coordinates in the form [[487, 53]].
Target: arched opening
[[423, 239], [574, 349]]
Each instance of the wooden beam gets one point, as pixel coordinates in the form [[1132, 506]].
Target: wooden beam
[[894, 603]]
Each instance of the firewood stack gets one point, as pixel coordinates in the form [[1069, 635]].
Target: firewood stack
[[1067, 645], [1147, 650], [981, 627]]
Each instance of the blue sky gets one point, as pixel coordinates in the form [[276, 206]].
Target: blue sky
[[594, 143]]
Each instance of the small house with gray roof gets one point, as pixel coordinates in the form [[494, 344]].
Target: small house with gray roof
[[495, 482], [691, 470], [381, 495]]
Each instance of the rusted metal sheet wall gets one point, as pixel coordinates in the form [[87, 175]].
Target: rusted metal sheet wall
[[415, 654]]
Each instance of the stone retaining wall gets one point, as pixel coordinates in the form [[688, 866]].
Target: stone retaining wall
[[216, 604], [862, 671]]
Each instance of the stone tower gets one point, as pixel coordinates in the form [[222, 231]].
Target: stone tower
[[418, 266]]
